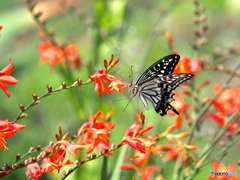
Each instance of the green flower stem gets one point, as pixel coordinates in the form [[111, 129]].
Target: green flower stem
[[50, 92]]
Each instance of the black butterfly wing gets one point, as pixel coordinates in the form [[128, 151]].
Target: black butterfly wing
[[174, 80], [162, 67], [159, 91]]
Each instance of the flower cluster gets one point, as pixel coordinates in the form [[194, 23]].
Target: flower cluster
[[146, 145], [226, 104], [187, 65], [5, 77], [229, 101], [7, 130], [101, 76], [137, 136], [93, 134], [55, 54]]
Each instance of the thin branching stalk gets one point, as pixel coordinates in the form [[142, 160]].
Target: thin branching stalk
[[36, 99]]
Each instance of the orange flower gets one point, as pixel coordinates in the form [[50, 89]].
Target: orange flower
[[177, 125], [140, 163], [60, 156], [8, 129], [187, 65], [49, 165], [96, 132], [74, 60], [181, 107], [129, 166], [142, 159], [179, 104], [117, 85], [148, 172], [175, 152], [101, 76], [99, 79], [221, 121], [229, 101], [142, 144], [219, 118], [50, 53], [135, 143], [34, 171], [3, 173], [137, 129], [2, 143], [5, 77], [54, 54]]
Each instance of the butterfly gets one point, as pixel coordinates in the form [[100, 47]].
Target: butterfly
[[157, 84]]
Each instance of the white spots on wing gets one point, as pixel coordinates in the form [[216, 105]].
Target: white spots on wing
[[143, 101], [164, 67], [162, 71], [170, 60], [155, 99], [157, 89]]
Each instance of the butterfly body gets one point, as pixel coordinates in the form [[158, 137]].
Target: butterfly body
[[157, 83]]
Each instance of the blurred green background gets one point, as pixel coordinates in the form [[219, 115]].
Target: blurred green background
[[133, 31]]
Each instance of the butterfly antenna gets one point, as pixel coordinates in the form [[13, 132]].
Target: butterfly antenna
[[131, 80], [120, 99], [128, 103], [122, 78], [132, 73]]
